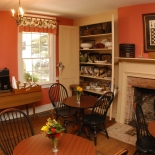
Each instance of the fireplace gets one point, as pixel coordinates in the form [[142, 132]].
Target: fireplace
[[136, 82], [142, 91]]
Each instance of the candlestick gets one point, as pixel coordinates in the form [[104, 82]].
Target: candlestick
[[141, 55], [141, 49]]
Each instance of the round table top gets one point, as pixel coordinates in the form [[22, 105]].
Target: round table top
[[68, 144], [85, 101], [151, 128]]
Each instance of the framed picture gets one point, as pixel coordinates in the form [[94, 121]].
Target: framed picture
[[149, 32]]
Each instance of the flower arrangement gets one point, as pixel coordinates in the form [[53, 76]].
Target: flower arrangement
[[52, 129], [78, 90]]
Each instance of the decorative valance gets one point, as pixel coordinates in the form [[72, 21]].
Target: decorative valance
[[36, 24]]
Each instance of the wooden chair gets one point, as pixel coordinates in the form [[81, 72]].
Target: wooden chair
[[57, 93], [98, 115], [15, 126], [122, 152], [145, 141]]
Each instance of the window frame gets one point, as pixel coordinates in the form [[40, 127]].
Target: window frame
[[52, 55]]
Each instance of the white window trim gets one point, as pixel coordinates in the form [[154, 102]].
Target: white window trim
[[52, 53]]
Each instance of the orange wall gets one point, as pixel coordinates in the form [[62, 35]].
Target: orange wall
[[9, 47], [130, 25]]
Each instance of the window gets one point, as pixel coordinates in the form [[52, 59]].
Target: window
[[36, 57]]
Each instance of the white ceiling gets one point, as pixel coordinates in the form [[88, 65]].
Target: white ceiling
[[69, 8]]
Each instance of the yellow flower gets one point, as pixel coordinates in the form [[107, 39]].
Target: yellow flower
[[44, 128], [79, 89]]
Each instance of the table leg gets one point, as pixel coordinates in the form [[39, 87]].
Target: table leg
[[78, 126]]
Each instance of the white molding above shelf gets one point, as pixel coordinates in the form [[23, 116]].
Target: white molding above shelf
[[96, 35], [94, 77], [98, 64], [97, 49]]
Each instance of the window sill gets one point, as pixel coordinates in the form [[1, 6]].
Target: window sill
[[47, 85]]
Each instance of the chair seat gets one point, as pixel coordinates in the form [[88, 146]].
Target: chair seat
[[66, 112], [147, 144], [93, 119]]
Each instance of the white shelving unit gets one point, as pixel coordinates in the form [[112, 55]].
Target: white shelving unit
[[98, 38]]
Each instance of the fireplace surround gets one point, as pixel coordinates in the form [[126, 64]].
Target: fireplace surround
[[133, 73]]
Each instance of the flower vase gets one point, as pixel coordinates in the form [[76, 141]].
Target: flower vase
[[55, 145], [78, 98]]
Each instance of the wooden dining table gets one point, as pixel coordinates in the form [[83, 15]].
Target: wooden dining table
[[85, 102], [151, 128], [68, 144]]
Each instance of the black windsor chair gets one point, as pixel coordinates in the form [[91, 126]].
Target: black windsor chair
[[57, 93], [145, 141], [98, 115], [15, 126]]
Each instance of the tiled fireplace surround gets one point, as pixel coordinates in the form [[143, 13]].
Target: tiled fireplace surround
[[133, 73]]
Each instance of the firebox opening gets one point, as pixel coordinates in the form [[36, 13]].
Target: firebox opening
[[145, 97]]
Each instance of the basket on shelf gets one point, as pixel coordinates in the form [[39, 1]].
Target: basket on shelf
[[87, 32]]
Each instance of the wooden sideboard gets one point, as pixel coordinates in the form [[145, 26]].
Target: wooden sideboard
[[9, 99]]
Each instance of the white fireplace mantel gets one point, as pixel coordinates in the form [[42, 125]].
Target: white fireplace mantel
[[131, 67]]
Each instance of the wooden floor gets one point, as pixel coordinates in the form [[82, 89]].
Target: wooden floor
[[104, 146]]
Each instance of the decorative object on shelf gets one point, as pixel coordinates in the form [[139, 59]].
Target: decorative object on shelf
[[93, 57], [127, 50], [108, 44], [88, 87], [87, 70], [96, 71], [98, 29], [99, 45], [106, 57], [87, 31], [20, 14], [61, 67], [98, 89], [141, 52], [53, 130], [78, 91], [104, 41], [93, 85], [83, 57], [86, 45]]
